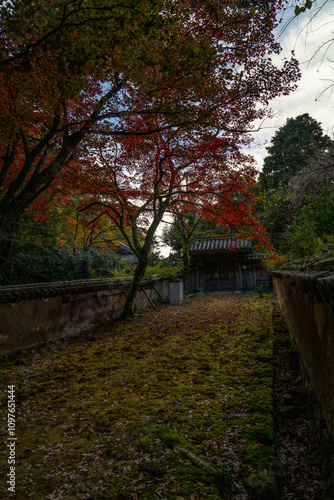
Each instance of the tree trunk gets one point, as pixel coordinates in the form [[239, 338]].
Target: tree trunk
[[135, 285], [142, 254]]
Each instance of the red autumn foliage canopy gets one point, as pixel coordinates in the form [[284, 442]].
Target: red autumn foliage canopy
[[138, 179], [70, 70]]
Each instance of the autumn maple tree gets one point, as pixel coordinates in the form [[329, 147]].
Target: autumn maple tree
[[71, 70], [138, 179]]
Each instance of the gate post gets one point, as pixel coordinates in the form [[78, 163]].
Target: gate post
[[175, 292]]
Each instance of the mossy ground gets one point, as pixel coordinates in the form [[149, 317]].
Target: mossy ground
[[101, 417]]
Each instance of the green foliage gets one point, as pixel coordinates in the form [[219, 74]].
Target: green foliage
[[274, 261], [300, 9], [37, 264], [160, 269], [313, 228], [298, 146], [275, 212], [53, 249], [293, 145], [172, 237], [125, 270]]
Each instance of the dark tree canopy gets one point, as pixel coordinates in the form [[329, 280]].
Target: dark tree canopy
[[292, 148], [309, 182]]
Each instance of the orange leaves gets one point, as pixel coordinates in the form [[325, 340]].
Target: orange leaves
[[173, 90]]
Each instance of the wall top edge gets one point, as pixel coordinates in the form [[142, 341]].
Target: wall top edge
[[320, 262], [12, 293], [318, 283]]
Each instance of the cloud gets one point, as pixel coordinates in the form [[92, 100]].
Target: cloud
[[311, 37], [306, 36]]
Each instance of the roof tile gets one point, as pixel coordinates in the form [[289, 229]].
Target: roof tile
[[221, 243]]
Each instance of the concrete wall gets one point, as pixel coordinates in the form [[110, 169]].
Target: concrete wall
[[307, 301], [38, 313]]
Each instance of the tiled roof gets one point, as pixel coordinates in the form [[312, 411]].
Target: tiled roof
[[14, 293], [129, 258], [221, 243], [126, 253], [254, 257], [35, 290]]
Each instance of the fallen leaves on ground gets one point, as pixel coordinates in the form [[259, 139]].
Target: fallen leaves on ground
[[175, 404]]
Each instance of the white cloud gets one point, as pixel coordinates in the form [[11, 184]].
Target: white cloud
[[307, 35]]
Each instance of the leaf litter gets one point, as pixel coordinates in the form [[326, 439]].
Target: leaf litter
[[174, 404]]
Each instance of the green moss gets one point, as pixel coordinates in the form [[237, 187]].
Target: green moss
[[152, 468], [262, 485], [261, 416], [125, 399], [262, 336], [265, 354], [263, 371], [169, 437], [261, 433], [143, 443], [258, 454], [199, 436], [262, 395]]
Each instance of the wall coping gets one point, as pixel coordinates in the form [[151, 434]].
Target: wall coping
[[320, 283], [13, 293], [318, 262]]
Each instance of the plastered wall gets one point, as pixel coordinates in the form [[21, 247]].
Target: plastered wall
[[34, 314], [307, 301]]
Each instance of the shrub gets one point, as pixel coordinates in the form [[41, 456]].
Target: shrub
[[37, 264]]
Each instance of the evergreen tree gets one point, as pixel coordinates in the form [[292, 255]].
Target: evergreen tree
[[292, 148]]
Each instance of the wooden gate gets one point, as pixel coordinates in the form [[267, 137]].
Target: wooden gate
[[219, 284], [248, 278]]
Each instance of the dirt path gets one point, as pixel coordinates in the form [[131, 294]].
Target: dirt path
[[175, 404]]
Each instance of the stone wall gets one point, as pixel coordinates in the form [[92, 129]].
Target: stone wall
[[38, 313], [307, 300]]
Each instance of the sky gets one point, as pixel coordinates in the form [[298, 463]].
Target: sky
[[306, 35]]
